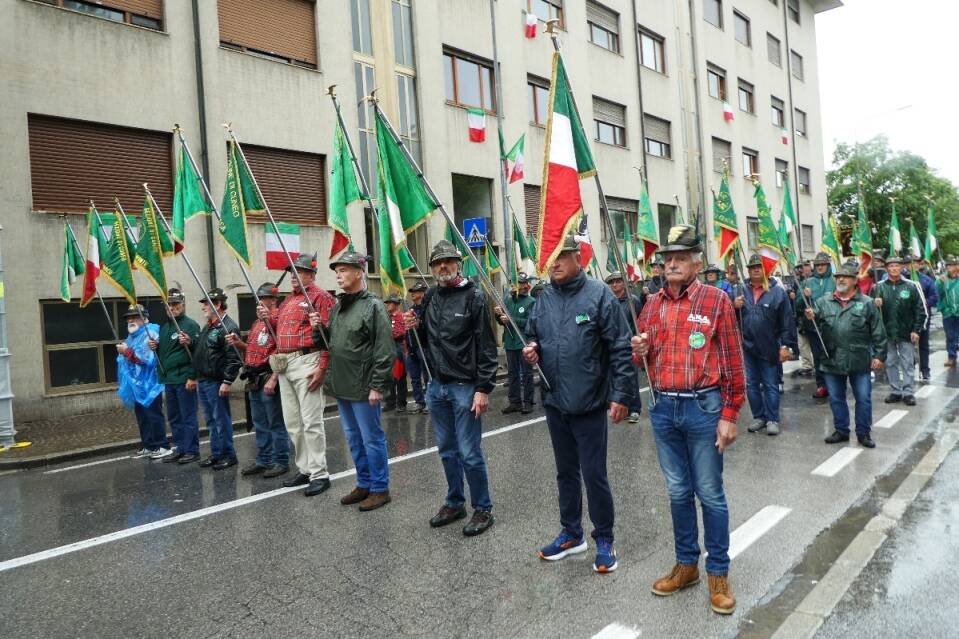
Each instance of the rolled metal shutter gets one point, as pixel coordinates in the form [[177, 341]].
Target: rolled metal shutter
[[531, 197], [609, 112], [622, 204], [284, 28], [773, 50], [721, 151], [73, 161], [293, 183], [656, 128], [602, 17], [150, 8]]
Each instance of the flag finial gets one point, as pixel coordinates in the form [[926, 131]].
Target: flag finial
[[551, 26], [331, 91]]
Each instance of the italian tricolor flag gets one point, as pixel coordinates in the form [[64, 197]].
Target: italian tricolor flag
[[728, 114], [568, 161], [786, 136], [530, 24], [93, 261], [477, 123], [275, 258], [514, 160]]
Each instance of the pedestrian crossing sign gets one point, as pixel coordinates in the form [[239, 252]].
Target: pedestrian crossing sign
[[474, 230]]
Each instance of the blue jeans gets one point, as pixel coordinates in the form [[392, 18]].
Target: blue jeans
[[272, 440], [861, 384], [519, 376], [219, 421], [685, 431], [151, 424], [763, 379], [951, 326], [459, 437], [361, 426], [181, 408], [417, 373]]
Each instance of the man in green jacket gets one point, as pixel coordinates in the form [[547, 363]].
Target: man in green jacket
[[519, 373], [815, 287], [179, 378], [948, 288], [855, 343], [361, 362], [904, 315]]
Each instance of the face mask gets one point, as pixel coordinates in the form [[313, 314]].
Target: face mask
[[132, 328]]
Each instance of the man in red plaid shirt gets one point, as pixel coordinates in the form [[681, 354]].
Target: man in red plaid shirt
[[691, 348], [301, 367]]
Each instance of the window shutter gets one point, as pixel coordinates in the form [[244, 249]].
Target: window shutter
[[293, 183], [283, 28], [150, 8], [773, 50], [73, 162], [531, 199], [622, 204], [609, 112], [656, 128], [721, 151], [602, 17]]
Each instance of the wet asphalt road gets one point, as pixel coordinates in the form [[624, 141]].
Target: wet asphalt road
[[287, 565]]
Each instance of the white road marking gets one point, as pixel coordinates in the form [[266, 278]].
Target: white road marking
[[837, 462], [617, 631], [96, 463], [891, 418], [210, 510], [926, 391], [754, 528]]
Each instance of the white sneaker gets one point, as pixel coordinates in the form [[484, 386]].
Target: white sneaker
[[143, 452], [160, 453]]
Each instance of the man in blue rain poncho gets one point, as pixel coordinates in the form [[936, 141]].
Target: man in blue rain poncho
[[140, 387]]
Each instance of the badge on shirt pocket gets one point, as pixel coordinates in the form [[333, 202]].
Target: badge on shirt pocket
[[262, 338], [582, 318], [904, 294], [697, 340]]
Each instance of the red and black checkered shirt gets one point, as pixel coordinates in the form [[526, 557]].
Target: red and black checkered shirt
[[258, 354], [675, 364], [293, 331], [399, 326]]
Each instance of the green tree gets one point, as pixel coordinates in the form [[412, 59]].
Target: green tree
[[881, 173]]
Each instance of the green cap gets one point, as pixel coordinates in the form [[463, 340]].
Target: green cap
[[444, 250], [350, 259], [850, 268], [304, 262], [682, 237]]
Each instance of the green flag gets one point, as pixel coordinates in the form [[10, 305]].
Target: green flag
[[646, 225], [525, 250], [72, 264], [725, 225], [116, 262], [490, 262], [830, 241], [769, 246], [791, 223], [188, 198], [785, 242], [895, 235], [401, 192], [151, 247], [862, 236], [915, 246], [393, 259], [239, 199], [344, 190], [932, 242]]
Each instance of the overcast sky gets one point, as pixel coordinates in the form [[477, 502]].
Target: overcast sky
[[877, 56]]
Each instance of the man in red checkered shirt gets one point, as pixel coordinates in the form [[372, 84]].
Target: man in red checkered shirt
[[693, 355], [301, 367]]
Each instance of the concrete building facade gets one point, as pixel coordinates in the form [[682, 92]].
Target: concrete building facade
[[651, 80]]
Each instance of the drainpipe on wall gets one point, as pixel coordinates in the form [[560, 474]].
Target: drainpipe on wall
[[201, 112], [639, 89], [6, 392]]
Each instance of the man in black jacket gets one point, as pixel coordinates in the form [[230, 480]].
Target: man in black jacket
[[217, 365], [460, 350], [579, 336]]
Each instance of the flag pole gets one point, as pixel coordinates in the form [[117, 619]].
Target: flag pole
[[452, 224], [365, 187], [604, 214], [503, 177], [103, 305]]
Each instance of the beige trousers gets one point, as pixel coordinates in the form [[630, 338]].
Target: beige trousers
[[805, 353], [303, 414]]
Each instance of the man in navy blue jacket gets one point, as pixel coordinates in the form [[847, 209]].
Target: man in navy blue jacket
[[769, 339], [930, 296]]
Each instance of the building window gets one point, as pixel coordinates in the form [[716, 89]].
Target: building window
[[742, 30], [808, 240], [746, 102], [666, 216], [657, 136], [752, 233], [610, 119], [293, 183], [547, 10], [774, 50], [778, 112], [782, 169], [364, 77], [797, 66], [142, 13], [531, 202], [283, 30], [623, 213], [793, 7], [803, 179], [800, 122], [409, 115], [603, 26], [652, 51], [750, 163], [73, 162], [713, 12], [403, 32], [716, 79], [362, 32], [722, 152], [469, 81], [538, 99]]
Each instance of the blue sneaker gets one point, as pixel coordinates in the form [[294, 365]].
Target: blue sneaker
[[605, 556], [562, 546]]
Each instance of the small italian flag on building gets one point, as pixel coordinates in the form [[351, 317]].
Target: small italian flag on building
[[786, 136], [728, 112], [477, 122], [514, 160], [275, 259], [531, 24]]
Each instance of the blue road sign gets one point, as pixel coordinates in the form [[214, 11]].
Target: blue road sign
[[474, 230]]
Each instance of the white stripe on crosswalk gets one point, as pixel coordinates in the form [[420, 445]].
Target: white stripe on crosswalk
[[837, 462], [926, 391], [754, 528], [617, 631], [891, 418]]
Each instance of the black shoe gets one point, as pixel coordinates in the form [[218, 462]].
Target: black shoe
[[225, 463], [209, 461], [837, 438], [866, 441], [317, 486], [893, 399], [424, 410], [447, 515], [512, 408], [252, 469], [526, 409], [909, 400], [298, 479], [481, 520], [170, 459], [401, 408], [275, 471], [189, 458]]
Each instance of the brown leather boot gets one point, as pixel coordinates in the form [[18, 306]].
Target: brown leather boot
[[355, 496], [721, 597], [681, 576], [375, 500], [950, 363]]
